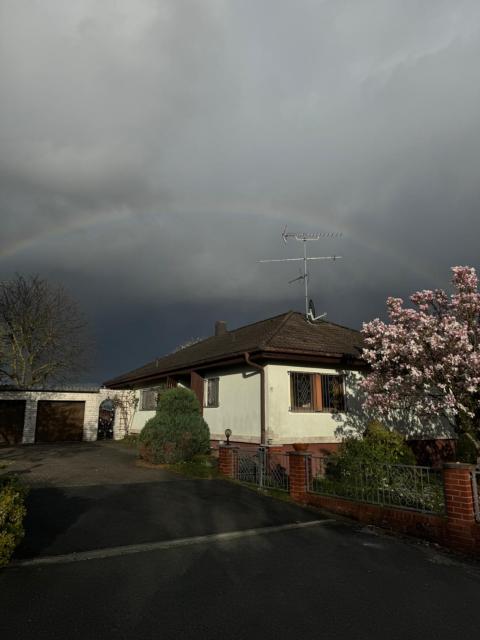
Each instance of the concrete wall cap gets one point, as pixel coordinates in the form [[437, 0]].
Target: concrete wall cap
[[299, 453], [458, 465]]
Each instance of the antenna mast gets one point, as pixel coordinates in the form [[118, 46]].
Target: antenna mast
[[306, 237]]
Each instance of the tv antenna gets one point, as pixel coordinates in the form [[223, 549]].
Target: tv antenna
[[306, 237]]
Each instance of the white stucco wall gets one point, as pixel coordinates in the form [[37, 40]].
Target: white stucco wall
[[239, 406], [284, 426], [140, 417]]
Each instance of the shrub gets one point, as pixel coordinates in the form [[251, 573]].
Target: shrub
[[378, 468], [378, 447], [12, 513], [179, 401], [465, 450], [129, 440], [177, 432]]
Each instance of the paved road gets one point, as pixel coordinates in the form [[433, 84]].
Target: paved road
[[327, 581], [321, 580]]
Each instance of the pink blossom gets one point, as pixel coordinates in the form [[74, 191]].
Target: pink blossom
[[426, 359]]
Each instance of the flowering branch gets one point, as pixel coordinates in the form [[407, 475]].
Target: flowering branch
[[426, 359]]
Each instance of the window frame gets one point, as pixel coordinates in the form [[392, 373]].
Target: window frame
[[161, 387], [143, 395], [212, 403], [320, 395]]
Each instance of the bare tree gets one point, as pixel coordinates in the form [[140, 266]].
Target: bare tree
[[43, 335]]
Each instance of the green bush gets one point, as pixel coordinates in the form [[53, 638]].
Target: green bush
[[378, 468], [465, 450], [177, 432], [12, 513], [179, 401], [359, 456], [379, 445]]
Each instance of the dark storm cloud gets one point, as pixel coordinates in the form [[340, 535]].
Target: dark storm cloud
[[151, 153]]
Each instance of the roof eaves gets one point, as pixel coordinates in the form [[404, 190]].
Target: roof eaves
[[198, 364], [329, 354]]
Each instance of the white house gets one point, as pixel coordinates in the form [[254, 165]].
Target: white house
[[278, 381]]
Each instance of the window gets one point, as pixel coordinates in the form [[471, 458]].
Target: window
[[316, 392], [333, 393], [302, 392], [149, 398], [212, 392]]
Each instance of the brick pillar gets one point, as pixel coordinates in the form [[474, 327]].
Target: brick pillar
[[457, 482], [226, 460], [299, 464]]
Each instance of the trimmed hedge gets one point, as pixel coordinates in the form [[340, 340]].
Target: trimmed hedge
[[177, 432], [12, 513]]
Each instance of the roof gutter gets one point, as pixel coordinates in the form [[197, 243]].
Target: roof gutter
[[262, 395]]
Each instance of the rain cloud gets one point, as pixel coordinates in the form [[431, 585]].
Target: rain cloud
[[151, 152]]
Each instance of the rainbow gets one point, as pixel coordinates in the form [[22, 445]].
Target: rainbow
[[59, 231]]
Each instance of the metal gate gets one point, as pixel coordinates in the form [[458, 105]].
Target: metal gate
[[265, 468]]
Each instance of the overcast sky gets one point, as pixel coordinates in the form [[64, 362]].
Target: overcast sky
[[151, 151]]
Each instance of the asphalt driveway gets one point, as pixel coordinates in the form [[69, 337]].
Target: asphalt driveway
[[77, 464], [95, 496], [70, 519]]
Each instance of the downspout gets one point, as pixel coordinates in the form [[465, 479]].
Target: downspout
[[262, 395]]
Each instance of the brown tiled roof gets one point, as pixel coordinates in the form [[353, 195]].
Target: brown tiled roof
[[288, 333]]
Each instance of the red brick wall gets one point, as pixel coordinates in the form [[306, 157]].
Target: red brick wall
[[462, 531], [298, 463], [456, 530], [317, 448], [427, 452], [408, 522], [226, 460]]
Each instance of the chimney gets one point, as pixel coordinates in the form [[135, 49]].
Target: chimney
[[220, 328]]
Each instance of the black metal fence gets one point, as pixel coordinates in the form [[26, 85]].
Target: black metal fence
[[406, 486]]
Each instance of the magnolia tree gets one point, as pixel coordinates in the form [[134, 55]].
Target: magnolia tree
[[425, 362]]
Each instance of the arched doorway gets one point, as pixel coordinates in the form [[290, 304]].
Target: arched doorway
[[106, 418]]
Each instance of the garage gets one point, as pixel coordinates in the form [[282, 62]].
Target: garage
[[59, 421], [12, 416]]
